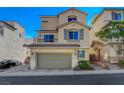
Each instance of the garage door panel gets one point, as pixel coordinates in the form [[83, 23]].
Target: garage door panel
[[54, 61]]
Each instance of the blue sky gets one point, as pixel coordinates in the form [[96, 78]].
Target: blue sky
[[29, 17]]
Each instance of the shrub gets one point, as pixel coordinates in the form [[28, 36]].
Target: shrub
[[121, 63], [84, 64]]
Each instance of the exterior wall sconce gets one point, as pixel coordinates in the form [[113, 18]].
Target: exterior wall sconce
[[32, 53]]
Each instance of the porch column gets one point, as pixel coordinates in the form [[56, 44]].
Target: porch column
[[33, 61], [74, 60]]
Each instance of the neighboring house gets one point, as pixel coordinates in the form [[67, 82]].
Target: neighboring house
[[28, 41], [62, 41], [98, 48], [11, 41]]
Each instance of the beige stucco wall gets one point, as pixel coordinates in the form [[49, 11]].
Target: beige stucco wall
[[63, 18], [54, 21], [98, 24], [20, 41], [95, 27], [50, 25], [60, 35], [104, 18], [72, 51], [11, 45], [107, 52], [28, 41], [83, 43], [33, 62]]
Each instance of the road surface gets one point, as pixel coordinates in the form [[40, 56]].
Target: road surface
[[98, 79]]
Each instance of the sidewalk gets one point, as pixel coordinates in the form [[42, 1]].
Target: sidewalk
[[59, 72]]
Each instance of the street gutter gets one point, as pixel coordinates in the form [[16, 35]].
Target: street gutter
[[59, 72]]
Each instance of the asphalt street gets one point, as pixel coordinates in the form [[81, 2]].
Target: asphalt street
[[98, 79]]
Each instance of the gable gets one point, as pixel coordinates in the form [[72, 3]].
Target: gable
[[70, 10], [63, 17], [72, 25]]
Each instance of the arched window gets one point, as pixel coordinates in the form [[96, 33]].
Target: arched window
[[72, 18]]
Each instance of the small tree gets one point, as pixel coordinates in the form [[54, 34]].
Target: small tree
[[113, 34]]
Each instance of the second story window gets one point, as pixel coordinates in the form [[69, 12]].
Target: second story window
[[45, 21], [73, 35], [1, 31], [72, 18], [48, 38], [20, 35], [116, 16]]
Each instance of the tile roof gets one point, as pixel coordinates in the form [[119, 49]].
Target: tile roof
[[52, 45], [6, 23], [77, 22]]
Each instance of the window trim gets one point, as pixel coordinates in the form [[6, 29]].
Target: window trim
[[83, 54]]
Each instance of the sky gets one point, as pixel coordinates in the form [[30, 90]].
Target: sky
[[29, 17]]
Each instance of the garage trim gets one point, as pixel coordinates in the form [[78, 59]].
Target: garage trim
[[70, 54]]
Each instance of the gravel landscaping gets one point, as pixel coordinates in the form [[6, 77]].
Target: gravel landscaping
[[17, 68]]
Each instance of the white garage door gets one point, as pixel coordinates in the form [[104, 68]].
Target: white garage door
[[54, 61]]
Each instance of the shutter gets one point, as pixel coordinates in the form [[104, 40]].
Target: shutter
[[113, 15], [81, 34], [83, 53], [65, 34]]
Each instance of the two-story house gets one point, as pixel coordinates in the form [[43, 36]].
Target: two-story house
[[99, 48], [11, 41], [62, 41]]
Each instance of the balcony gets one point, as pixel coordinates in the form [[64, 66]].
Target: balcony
[[40, 40]]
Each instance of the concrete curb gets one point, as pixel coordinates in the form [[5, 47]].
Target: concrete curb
[[55, 73]]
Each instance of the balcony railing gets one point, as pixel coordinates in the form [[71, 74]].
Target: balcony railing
[[40, 40]]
